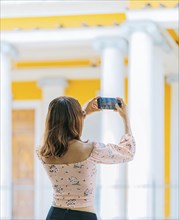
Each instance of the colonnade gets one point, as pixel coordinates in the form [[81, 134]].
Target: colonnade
[[146, 109]]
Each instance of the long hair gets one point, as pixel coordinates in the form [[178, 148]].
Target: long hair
[[63, 123]]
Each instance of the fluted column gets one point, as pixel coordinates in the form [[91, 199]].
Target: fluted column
[[7, 52], [112, 178]]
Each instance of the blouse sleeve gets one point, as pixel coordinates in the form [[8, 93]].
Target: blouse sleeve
[[114, 153]]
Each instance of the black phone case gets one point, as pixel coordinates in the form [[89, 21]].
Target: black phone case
[[108, 103]]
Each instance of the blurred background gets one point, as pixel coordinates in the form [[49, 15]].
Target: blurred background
[[82, 49]]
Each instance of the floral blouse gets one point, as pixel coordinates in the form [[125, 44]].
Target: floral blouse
[[74, 184]]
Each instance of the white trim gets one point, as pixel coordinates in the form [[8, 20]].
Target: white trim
[[65, 37], [36, 105], [12, 9], [26, 104], [166, 18], [66, 73]]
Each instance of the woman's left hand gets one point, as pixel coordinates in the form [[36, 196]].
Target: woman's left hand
[[92, 106]]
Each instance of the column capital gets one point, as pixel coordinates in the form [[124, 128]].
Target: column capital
[[172, 78], [101, 43], [58, 82], [149, 27], [8, 49]]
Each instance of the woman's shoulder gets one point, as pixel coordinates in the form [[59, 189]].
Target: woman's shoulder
[[77, 151], [87, 147]]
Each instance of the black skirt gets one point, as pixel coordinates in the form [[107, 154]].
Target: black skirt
[[68, 214]]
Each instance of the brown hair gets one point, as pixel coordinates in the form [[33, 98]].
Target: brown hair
[[63, 123]]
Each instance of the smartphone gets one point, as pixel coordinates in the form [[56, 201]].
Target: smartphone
[[108, 103]]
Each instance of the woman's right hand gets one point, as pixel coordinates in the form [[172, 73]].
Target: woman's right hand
[[92, 106], [123, 110]]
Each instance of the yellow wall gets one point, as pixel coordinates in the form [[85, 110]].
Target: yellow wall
[[83, 90], [174, 35], [167, 136], [26, 90]]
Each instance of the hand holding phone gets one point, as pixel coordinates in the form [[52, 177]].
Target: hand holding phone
[[91, 106], [108, 103]]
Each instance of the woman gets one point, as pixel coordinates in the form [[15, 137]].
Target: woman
[[71, 163]]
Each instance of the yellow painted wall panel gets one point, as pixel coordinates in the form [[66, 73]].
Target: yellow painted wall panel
[[26, 90], [65, 21], [126, 90], [83, 90], [174, 35], [167, 140]]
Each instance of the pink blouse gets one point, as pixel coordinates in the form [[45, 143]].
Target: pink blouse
[[74, 184]]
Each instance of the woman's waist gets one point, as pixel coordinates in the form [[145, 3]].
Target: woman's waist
[[73, 202], [90, 209]]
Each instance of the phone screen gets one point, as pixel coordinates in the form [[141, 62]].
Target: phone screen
[[107, 103]]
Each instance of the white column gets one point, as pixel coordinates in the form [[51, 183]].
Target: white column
[[140, 104], [52, 88], [146, 114], [112, 178], [174, 169], [157, 147], [7, 51]]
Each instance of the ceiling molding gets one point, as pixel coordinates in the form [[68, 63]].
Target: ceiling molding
[[15, 9], [65, 73], [166, 18]]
